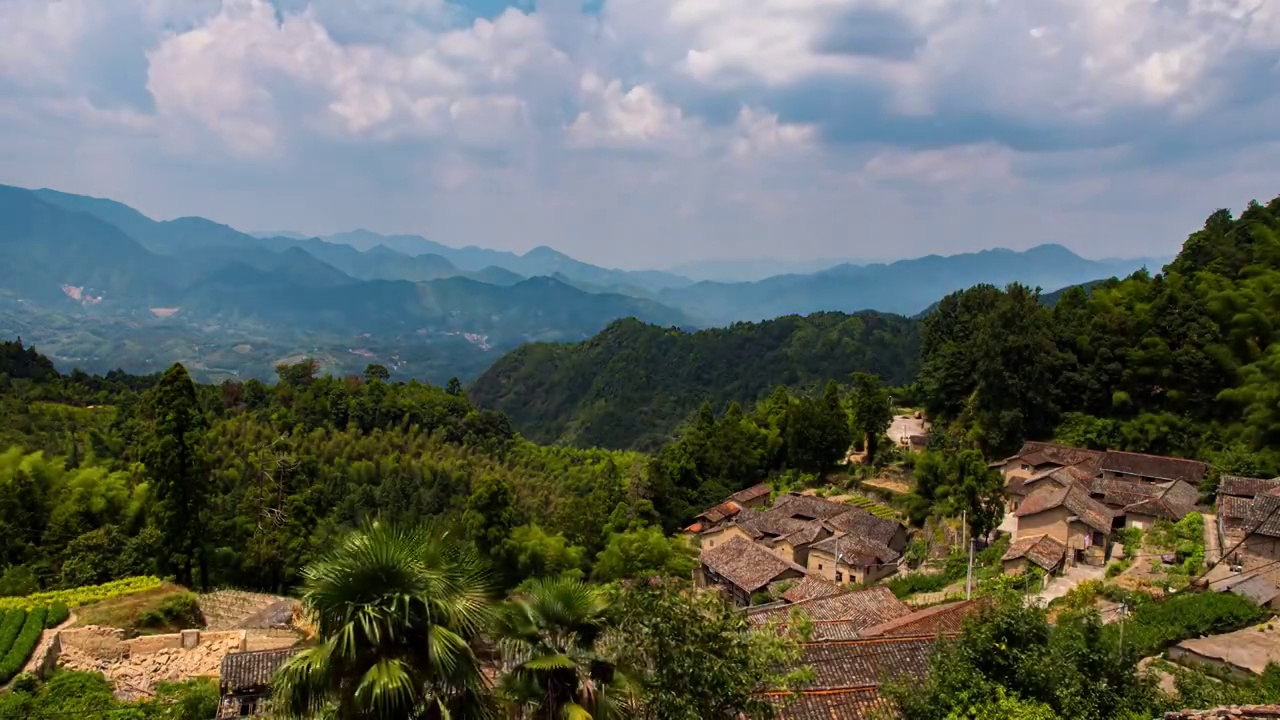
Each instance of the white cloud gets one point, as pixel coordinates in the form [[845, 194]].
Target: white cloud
[[739, 122]]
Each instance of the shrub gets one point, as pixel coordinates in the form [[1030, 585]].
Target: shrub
[[58, 614], [10, 626], [23, 646], [904, 585], [182, 610]]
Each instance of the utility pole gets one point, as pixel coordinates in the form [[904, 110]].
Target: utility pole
[[968, 582], [1123, 612]]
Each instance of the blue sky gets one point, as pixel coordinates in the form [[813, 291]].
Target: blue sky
[[651, 132]]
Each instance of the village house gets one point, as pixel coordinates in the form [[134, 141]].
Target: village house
[[244, 683], [1248, 513], [852, 559], [1140, 488], [742, 567], [796, 524], [1118, 465], [1042, 551], [844, 616], [849, 675], [1072, 518]]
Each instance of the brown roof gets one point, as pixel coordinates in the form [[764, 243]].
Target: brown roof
[[811, 532], [1245, 486], [940, 619], [1230, 712], [1231, 507], [809, 506], [856, 610], [251, 672], [1183, 492], [857, 551], [755, 492], [871, 662], [1263, 516], [1075, 498], [1042, 550], [1157, 467], [721, 512], [858, 521], [811, 587], [839, 704], [1063, 455], [748, 565]]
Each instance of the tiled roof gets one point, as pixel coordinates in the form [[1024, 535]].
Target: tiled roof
[[748, 565], [812, 587], [1075, 498], [812, 531], [841, 704], [856, 551], [1231, 507], [246, 672], [1057, 454], [859, 663], [1245, 486], [858, 521], [942, 619], [1258, 589], [1229, 712], [1042, 550], [755, 492], [1263, 516], [1171, 504], [859, 610], [1183, 493], [721, 512], [792, 505], [1103, 486], [1157, 467]]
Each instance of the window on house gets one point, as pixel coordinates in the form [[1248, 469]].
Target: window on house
[[819, 566], [839, 576]]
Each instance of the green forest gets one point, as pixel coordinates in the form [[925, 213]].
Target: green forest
[[633, 384], [431, 504]]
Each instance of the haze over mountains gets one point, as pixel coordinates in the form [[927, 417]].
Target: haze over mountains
[[97, 283]]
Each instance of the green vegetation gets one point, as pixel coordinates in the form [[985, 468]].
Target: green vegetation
[[404, 615], [176, 611], [58, 614], [1184, 363], [74, 597], [1076, 667], [10, 628], [872, 507], [23, 645], [89, 696], [631, 385]]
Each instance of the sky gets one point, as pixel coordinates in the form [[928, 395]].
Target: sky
[[646, 133]]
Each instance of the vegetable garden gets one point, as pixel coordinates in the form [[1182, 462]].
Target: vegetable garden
[[22, 619]]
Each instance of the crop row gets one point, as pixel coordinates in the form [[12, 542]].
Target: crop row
[[76, 597], [24, 644]]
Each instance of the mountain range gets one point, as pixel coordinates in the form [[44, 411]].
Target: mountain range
[[98, 273]]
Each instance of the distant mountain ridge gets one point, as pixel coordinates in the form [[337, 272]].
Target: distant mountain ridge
[[75, 268], [905, 287]]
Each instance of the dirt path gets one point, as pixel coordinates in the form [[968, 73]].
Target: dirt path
[[1067, 582], [1212, 550]]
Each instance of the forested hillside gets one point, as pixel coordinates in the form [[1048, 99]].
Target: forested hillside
[[243, 484], [1182, 363], [631, 385]]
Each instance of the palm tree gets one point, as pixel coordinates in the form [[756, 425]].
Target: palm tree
[[397, 611], [549, 637]]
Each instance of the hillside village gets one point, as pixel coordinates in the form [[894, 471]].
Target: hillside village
[[1067, 513]]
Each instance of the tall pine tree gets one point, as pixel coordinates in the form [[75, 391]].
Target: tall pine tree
[[178, 473]]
